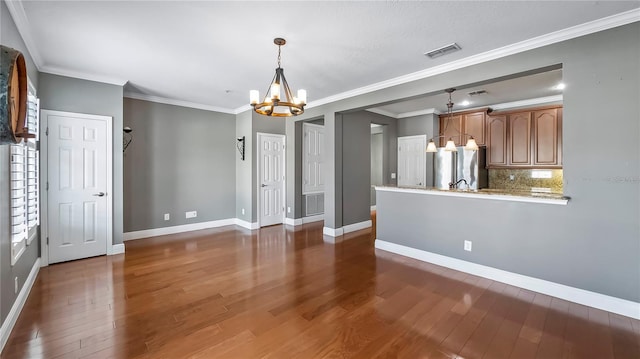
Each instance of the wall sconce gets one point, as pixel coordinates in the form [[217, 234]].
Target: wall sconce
[[240, 146], [127, 137]]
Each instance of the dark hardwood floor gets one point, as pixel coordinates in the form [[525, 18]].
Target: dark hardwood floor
[[278, 293]]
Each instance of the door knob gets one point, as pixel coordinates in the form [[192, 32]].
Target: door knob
[[101, 194], [263, 185]]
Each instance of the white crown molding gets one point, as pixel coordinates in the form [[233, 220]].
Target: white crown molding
[[429, 111], [168, 101], [22, 23], [242, 109], [572, 294], [587, 28], [82, 76], [525, 103], [382, 112]]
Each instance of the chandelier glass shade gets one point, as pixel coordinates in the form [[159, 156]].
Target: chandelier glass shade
[[278, 100]]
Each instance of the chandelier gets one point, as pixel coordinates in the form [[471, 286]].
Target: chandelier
[[279, 100], [451, 145]]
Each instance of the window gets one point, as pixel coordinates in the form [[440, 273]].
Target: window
[[19, 231], [25, 189], [33, 168]]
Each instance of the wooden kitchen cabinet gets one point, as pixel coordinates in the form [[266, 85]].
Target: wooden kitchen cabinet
[[547, 137], [496, 141], [525, 139], [469, 123], [519, 139]]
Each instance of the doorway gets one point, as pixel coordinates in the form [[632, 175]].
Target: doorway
[[77, 220], [271, 179]]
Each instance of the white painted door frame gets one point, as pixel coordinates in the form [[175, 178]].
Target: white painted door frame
[[44, 178], [258, 172]]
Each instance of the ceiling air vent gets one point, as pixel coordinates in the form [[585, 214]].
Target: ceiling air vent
[[479, 92], [443, 50]]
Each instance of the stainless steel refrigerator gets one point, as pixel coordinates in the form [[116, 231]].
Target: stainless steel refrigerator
[[450, 167]]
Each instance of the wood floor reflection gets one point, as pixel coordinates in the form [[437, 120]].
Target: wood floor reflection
[[284, 293]]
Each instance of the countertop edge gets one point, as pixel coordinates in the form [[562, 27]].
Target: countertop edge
[[477, 195]]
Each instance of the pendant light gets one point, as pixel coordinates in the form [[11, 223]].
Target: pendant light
[[279, 100], [451, 145]]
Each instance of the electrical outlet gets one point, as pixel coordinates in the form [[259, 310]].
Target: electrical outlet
[[467, 246], [393, 175], [192, 214], [167, 216], [243, 211], [15, 286], [288, 209]]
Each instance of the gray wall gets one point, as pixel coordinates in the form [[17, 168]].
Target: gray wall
[[377, 147], [10, 37], [593, 243], [63, 93], [244, 170], [421, 125], [181, 159], [356, 162]]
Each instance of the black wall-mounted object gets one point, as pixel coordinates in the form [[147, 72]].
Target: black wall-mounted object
[[240, 146]]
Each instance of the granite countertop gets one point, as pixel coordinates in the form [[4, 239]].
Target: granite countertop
[[488, 193]]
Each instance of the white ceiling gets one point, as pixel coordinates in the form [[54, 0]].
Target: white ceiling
[[213, 53]]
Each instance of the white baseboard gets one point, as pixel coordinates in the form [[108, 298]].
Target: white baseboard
[[335, 232], [572, 294], [373, 208], [356, 226], [311, 219], [117, 249], [245, 224], [332, 232], [293, 221], [12, 317], [179, 229]]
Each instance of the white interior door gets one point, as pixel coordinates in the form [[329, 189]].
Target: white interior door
[[312, 158], [412, 159], [79, 189], [270, 179]]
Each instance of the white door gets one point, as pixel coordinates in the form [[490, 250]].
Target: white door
[[270, 179], [312, 158], [78, 195], [412, 159]]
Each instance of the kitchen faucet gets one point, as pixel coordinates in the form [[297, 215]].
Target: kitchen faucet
[[455, 185]]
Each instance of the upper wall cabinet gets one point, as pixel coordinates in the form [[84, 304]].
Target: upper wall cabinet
[[497, 138], [312, 158], [519, 139], [525, 139], [462, 125], [547, 137]]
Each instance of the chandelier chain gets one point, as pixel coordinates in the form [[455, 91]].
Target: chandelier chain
[[279, 46]]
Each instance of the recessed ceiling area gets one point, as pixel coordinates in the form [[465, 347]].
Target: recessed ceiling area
[[213, 52], [527, 87]]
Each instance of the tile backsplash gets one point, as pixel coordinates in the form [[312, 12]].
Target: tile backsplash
[[523, 179]]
